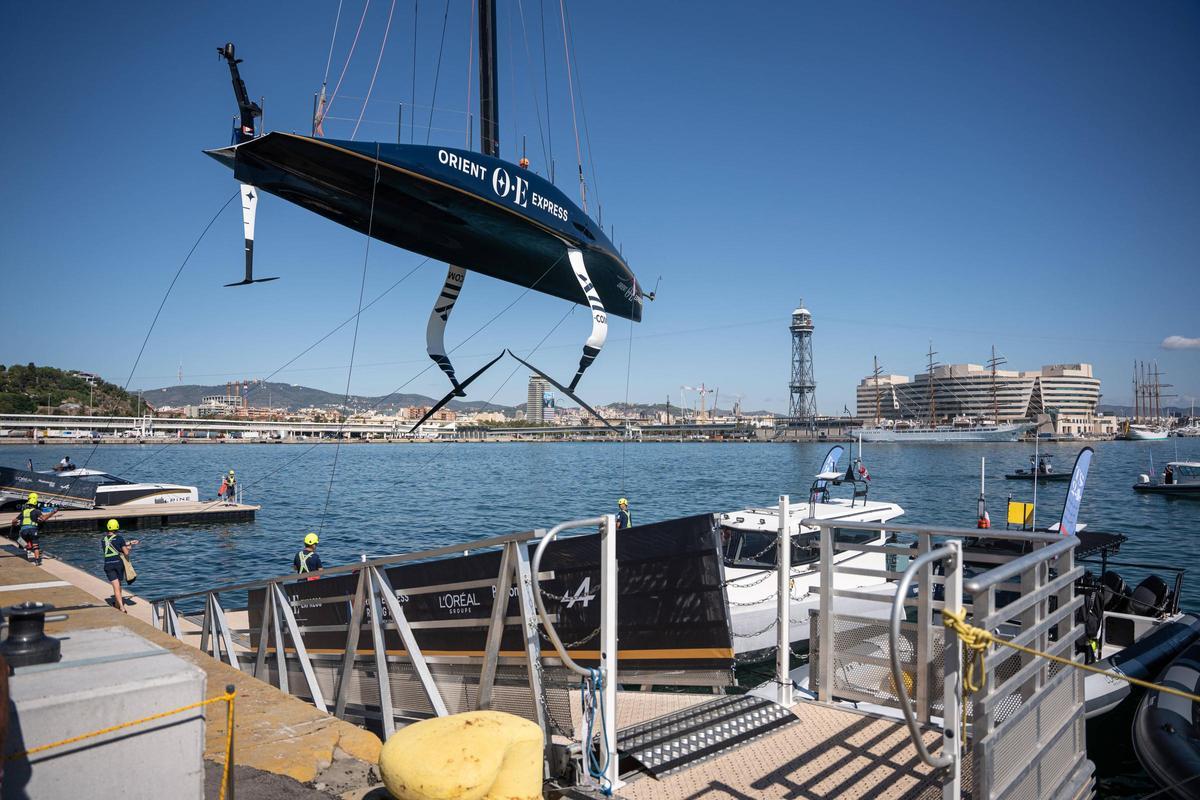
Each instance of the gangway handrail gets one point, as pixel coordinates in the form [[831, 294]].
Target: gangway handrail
[[937, 530], [354, 567], [1011, 569], [949, 550], [535, 571], [605, 771]]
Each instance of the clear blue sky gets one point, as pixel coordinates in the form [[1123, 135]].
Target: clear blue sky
[[1019, 174]]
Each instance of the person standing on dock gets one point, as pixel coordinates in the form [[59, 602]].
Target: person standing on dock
[[623, 518], [31, 519], [115, 545], [307, 559], [230, 482]]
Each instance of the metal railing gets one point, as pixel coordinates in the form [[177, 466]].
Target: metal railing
[[889, 651], [374, 606]]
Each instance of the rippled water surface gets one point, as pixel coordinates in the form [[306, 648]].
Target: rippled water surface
[[394, 498]]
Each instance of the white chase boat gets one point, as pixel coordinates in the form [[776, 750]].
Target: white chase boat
[[748, 539]]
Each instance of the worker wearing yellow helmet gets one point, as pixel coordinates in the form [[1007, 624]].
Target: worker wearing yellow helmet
[[229, 487], [30, 519], [116, 551], [623, 518], [307, 559]]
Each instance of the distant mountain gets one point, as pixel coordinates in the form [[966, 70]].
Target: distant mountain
[[286, 395], [1127, 411]]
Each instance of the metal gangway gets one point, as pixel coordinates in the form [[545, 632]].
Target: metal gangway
[[886, 652]]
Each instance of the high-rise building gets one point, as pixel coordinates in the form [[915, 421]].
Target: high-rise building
[[539, 400], [803, 407]]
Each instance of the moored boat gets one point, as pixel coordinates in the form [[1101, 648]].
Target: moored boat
[[1179, 478], [1166, 729]]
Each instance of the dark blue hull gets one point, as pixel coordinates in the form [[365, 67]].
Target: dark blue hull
[[456, 206]]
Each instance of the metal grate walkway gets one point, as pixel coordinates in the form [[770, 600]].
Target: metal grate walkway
[[687, 737]]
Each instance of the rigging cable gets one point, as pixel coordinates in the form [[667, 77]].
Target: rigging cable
[[625, 441], [362, 286], [546, 81], [537, 101], [375, 74], [436, 74], [403, 385], [154, 321], [412, 130], [571, 92], [302, 353], [587, 136], [346, 66], [332, 41]]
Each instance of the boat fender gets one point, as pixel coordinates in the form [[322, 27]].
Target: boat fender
[[476, 755]]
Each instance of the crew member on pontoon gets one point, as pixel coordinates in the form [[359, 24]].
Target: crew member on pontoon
[[114, 546], [31, 518], [307, 559], [623, 518], [65, 465], [229, 483]]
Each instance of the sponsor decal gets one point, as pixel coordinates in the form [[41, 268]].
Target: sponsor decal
[[508, 187]]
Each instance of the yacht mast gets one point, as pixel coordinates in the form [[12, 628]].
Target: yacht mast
[[1137, 407], [489, 91]]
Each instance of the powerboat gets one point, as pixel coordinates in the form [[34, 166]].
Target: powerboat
[[114, 491], [749, 550], [1040, 468], [1180, 479], [1166, 728]]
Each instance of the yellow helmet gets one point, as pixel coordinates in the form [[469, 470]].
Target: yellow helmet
[[311, 539], [32, 498], [622, 502], [113, 525], [230, 472]]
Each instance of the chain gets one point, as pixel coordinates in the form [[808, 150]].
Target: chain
[[737, 581], [577, 643], [770, 625]]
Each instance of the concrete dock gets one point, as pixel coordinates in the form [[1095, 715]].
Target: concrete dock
[[282, 743], [135, 517]]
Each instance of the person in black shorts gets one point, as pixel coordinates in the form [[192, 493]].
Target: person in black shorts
[[115, 545]]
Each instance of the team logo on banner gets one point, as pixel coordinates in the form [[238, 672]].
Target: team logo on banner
[[1070, 516]]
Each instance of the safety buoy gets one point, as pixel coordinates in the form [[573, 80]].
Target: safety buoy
[[984, 522]]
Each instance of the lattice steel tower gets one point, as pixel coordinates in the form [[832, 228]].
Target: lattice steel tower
[[803, 410]]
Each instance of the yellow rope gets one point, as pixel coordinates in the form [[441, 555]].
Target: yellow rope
[[227, 698], [978, 639]]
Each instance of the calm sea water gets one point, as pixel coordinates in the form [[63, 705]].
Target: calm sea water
[[394, 498]]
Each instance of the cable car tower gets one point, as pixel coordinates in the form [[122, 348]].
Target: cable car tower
[[803, 408]]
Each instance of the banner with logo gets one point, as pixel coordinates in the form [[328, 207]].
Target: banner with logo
[[1070, 514], [671, 612]]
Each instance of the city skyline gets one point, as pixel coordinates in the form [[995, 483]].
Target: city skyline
[[1005, 176]]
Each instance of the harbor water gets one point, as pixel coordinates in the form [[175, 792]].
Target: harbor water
[[385, 499]]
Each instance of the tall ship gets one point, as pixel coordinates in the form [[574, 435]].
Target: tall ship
[[958, 429], [1147, 424]]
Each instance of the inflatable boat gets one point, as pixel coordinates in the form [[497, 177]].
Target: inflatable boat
[[1166, 729]]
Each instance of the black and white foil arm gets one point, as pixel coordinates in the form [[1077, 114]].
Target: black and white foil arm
[[435, 331], [249, 208], [591, 348]]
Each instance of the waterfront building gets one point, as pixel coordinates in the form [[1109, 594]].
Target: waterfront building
[[1069, 392], [539, 400]]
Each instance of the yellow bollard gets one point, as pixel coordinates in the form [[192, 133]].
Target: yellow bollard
[[476, 755]]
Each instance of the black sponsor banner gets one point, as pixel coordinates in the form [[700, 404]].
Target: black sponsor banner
[[671, 609], [51, 489]]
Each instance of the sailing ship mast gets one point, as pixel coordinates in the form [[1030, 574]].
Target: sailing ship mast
[[932, 390], [875, 359], [993, 363]]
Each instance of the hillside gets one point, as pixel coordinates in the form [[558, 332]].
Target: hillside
[[28, 389], [292, 397]]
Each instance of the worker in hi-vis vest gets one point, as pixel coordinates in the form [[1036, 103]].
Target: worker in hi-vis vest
[[623, 518], [307, 559]]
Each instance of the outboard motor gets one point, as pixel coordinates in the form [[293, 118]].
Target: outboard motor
[[1143, 478], [1150, 598], [1114, 591]]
